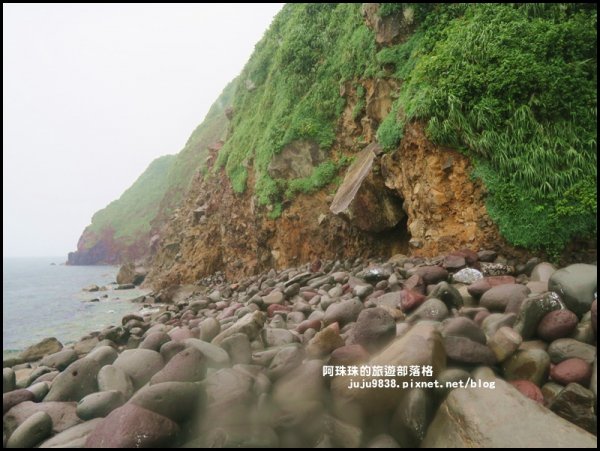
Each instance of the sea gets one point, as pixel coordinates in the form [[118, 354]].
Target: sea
[[43, 297]]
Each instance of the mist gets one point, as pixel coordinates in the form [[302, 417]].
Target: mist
[[93, 93]]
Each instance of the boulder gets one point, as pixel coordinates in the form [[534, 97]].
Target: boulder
[[500, 297], [59, 360], [131, 274], [154, 340], [215, 356], [31, 432], [557, 324], [112, 378], [174, 400], [542, 272], [411, 418], [8, 380], [362, 198], [74, 437], [63, 415], [41, 349], [139, 364], [477, 288], [529, 389], [296, 160], [576, 285], [188, 365], [572, 370], [421, 345], [531, 365], [504, 343], [131, 426], [14, 397], [75, 382], [465, 350], [324, 342], [99, 404], [374, 328], [567, 348], [343, 312], [250, 324], [432, 309], [500, 418], [532, 310], [576, 404]]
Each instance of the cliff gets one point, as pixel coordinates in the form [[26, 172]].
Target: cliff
[[126, 230], [363, 130]]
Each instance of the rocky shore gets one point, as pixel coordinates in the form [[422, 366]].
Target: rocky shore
[[467, 349]]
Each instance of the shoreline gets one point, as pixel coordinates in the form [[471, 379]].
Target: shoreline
[[105, 295], [462, 333]]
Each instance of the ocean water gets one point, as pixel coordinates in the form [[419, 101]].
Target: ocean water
[[42, 300]]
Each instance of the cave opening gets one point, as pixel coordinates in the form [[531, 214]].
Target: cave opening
[[395, 240]]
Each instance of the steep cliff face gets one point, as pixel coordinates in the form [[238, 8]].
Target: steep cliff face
[[438, 208], [126, 230], [327, 81], [376, 129], [444, 205], [121, 231]]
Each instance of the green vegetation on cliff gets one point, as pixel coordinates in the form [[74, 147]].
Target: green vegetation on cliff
[[511, 85], [162, 186], [514, 86], [130, 215], [289, 90]]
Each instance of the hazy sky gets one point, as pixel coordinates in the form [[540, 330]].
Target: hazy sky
[[93, 93]]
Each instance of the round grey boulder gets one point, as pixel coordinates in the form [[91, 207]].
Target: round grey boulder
[[31, 432], [112, 378], [174, 400], [576, 285], [140, 365], [99, 404]]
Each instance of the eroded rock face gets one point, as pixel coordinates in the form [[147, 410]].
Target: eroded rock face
[[429, 184], [445, 207], [296, 160], [130, 273], [363, 199], [388, 30], [104, 248]]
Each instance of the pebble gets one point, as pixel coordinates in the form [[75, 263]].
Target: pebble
[[531, 365], [557, 324], [467, 276], [504, 343], [532, 310], [243, 366], [572, 370], [506, 297], [566, 348], [529, 389], [374, 328], [343, 312]]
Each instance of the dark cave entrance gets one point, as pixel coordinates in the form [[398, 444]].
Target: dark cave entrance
[[395, 240]]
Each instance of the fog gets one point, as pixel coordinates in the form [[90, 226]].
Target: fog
[[93, 93]]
